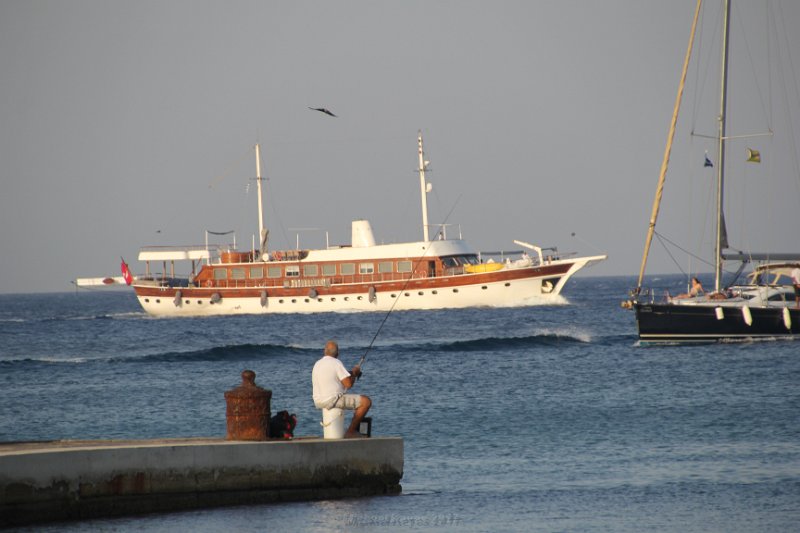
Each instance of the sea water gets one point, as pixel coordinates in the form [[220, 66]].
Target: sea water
[[547, 418]]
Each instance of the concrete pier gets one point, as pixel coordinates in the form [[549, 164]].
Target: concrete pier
[[65, 480]]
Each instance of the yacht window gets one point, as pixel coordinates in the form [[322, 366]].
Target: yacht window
[[328, 270], [366, 268], [385, 267], [310, 271], [274, 272], [256, 272], [347, 269], [220, 273], [293, 271], [237, 273], [404, 266]]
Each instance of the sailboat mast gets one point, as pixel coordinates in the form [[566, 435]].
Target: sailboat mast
[[721, 241], [423, 186], [668, 150]]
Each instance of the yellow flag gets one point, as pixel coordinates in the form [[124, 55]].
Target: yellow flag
[[753, 156]]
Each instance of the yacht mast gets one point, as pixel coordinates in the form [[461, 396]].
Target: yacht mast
[[259, 179], [423, 186], [723, 100]]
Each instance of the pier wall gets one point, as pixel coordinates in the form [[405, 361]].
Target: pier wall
[[78, 480]]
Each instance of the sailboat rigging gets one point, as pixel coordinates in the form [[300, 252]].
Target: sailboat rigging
[[762, 307]]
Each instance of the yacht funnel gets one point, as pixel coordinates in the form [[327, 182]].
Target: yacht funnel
[[362, 236]]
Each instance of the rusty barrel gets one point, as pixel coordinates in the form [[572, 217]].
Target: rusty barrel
[[247, 411]]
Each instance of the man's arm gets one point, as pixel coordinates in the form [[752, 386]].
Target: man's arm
[[350, 380]]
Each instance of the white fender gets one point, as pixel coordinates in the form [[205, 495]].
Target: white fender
[[263, 298], [787, 318], [719, 313], [748, 317], [177, 300]]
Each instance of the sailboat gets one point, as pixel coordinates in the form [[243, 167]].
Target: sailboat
[[763, 305], [437, 272]]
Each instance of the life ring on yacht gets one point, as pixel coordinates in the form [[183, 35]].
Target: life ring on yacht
[[278, 256], [209, 283]]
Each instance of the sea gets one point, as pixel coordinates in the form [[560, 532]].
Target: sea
[[545, 418]]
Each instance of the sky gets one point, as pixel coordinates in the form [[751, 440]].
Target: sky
[[129, 124]]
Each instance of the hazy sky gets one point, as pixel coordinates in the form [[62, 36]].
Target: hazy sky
[[125, 124]]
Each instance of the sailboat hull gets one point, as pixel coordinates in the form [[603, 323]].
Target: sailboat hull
[[670, 323]]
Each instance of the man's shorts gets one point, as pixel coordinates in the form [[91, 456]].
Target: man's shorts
[[347, 401]]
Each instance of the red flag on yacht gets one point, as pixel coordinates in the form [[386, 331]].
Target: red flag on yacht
[[126, 273]]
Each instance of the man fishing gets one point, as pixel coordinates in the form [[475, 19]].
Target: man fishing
[[331, 380]]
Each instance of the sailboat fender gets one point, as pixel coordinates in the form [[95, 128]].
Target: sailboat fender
[[719, 313], [748, 317], [263, 298], [313, 293], [216, 297], [177, 300], [787, 318], [372, 295]]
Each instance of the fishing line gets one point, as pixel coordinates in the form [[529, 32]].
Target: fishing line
[[405, 285]]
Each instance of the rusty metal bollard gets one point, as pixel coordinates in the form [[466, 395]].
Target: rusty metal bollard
[[247, 411]]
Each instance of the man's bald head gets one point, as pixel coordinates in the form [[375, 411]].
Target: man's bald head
[[332, 349]]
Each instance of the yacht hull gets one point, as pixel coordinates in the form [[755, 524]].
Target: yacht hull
[[506, 288]]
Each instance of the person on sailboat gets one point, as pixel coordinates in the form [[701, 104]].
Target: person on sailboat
[[696, 290], [331, 381], [796, 283]]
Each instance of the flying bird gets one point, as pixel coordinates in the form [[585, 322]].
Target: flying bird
[[322, 110]]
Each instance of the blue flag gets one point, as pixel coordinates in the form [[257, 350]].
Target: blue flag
[[708, 162]]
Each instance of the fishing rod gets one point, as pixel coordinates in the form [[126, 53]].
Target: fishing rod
[[405, 285]]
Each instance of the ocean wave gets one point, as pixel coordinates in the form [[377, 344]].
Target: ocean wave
[[252, 351], [67, 318], [491, 344], [259, 351], [231, 352], [46, 359], [234, 352], [104, 316]]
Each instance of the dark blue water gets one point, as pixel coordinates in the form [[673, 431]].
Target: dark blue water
[[530, 419]]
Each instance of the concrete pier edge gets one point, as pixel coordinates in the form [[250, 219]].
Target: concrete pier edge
[[69, 480]]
